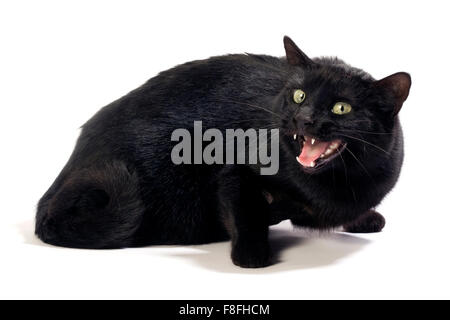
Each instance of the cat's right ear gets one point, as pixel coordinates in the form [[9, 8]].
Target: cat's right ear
[[398, 86], [295, 56]]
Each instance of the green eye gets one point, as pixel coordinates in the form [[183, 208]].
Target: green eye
[[341, 108], [299, 96]]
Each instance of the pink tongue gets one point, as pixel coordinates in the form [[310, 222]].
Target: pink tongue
[[311, 153]]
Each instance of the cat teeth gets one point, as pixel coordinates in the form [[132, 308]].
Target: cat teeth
[[331, 148], [312, 164], [295, 136], [334, 145]]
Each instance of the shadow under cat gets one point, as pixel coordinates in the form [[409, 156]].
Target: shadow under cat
[[294, 250]]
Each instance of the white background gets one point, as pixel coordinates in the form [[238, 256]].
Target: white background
[[60, 61]]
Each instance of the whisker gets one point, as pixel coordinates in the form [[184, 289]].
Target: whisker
[[368, 132], [345, 167], [354, 194], [361, 120], [364, 145], [334, 179], [364, 141], [252, 105], [359, 162]]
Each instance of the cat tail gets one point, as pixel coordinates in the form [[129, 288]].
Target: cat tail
[[95, 207]]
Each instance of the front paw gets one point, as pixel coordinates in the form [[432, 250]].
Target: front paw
[[251, 256], [370, 222]]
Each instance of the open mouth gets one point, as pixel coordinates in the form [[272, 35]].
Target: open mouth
[[315, 153]]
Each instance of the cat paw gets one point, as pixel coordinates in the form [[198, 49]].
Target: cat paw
[[370, 222], [255, 256]]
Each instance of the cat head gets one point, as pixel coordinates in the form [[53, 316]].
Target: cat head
[[332, 111]]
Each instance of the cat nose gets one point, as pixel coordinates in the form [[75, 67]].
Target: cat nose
[[304, 121], [304, 117]]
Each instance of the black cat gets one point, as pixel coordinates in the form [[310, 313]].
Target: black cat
[[340, 153]]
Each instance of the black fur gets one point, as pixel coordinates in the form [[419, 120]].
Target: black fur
[[120, 187]]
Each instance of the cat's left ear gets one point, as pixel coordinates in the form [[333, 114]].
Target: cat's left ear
[[295, 56], [398, 86]]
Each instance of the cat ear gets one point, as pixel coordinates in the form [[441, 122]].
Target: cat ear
[[398, 85], [294, 55]]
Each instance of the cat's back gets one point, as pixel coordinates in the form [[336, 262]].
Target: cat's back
[[194, 84], [207, 82], [193, 91]]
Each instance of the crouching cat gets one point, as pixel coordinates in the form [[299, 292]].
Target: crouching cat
[[339, 152]]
